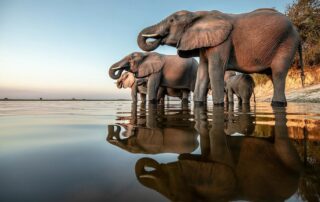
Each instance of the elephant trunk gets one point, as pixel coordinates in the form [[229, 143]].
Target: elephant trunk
[[155, 32], [116, 69], [141, 171], [119, 83], [115, 74]]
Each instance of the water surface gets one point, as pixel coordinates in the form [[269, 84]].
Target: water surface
[[115, 151]]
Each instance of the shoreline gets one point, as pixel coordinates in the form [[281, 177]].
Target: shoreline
[[8, 100]]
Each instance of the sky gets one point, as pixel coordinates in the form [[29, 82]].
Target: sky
[[62, 49]]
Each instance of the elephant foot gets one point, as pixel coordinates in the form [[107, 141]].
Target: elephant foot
[[278, 104]]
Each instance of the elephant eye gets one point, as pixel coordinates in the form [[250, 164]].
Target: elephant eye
[[171, 20]]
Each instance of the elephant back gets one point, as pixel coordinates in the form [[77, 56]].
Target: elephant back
[[179, 73]]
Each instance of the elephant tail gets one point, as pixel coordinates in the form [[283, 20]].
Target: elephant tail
[[300, 64]]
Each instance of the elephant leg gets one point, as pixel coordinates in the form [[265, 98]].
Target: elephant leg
[[185, 96], [153, 86], [113, 135], [280, 66], [239, 100], [201, 126], [200, 91], [283, 146], [219, 149], [245, 97], [160, 95], [134, 92], [143, 97], [230, 96], [279, 82], [217, 59]]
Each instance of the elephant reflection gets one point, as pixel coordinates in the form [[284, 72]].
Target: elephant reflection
[[242, 122], [228, 168], [160, 134]]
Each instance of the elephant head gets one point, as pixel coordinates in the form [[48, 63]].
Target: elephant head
[[229, 74], [153, 140], [139, 63], [187, 180], [126, 80], [187, 31]]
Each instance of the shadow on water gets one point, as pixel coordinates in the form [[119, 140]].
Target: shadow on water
[[245, 154]]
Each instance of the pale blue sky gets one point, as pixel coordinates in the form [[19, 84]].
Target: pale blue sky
[[63, 48]]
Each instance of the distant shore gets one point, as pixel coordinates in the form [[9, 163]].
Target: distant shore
[[8, 99]]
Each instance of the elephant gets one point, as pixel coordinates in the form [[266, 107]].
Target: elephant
[[242, 85], [241, 122], [168, 71], [157, 133], [262, 41], [229, 167], [127, 80], [139, 85]]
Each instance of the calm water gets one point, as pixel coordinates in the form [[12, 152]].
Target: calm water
[[112, 151]]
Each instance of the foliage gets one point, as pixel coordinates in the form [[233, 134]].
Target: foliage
[[305, 15]]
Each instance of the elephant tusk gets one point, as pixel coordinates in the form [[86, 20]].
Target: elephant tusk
[[148, 176], [150, 35], [115, 68]]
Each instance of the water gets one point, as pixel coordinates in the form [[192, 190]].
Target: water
[[114, 151]]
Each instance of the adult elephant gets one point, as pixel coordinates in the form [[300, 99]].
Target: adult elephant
[[169, 71], [229, 167], [158, 133], [139, 86], [261, 41]]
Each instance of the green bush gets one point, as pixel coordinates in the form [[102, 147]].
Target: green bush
[[305, 14]]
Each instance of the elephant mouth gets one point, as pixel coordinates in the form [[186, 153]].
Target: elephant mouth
[[156, 38], [125, 67]]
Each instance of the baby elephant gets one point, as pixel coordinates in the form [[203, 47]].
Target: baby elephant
[[242, 85], [139, 85], [127, 80]]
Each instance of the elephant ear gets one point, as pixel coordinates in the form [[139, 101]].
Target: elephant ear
[[152, 63], [129, 80], [209, 31]]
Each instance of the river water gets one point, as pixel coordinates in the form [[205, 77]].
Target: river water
[[116, 151]]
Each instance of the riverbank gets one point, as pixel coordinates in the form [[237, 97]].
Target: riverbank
[[294, 90], [307, 94]]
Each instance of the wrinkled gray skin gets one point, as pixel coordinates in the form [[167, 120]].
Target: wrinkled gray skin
[[154, 135], [139, 86], [262, 41], [168, 71], [241, 85], [228, 168]]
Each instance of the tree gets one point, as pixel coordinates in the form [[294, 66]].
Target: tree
[[305, 15]]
